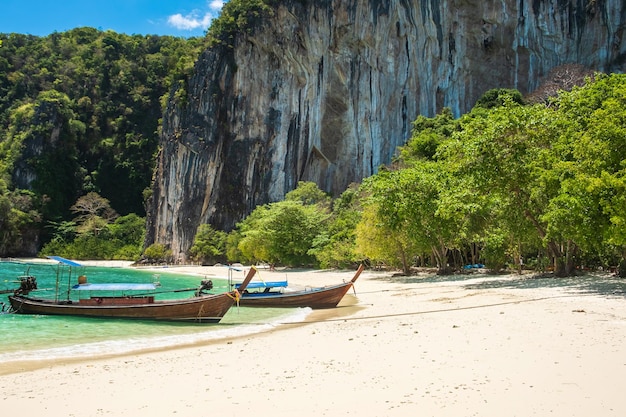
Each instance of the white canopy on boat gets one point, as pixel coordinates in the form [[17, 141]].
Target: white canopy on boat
[[115, 287]]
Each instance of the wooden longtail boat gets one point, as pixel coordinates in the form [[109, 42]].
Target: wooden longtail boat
[[201, 308], [269, 294]]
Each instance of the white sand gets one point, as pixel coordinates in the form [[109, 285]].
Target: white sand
[[394, 350]]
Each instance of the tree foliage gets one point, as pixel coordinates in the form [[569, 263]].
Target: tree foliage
[[237, 16], [97, 232], [158, 252], [209, 245], [284, 232], [335, 246], [80, 112], [515, 181]]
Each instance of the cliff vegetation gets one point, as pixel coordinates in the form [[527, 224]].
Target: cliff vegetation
[[80, 112]]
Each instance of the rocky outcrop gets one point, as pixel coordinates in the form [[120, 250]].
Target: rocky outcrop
[[326, 91]]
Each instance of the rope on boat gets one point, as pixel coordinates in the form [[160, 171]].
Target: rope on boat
[[235, 295]]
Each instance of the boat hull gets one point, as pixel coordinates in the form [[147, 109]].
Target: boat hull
[[318, 298], [208, 308], [205, 309]]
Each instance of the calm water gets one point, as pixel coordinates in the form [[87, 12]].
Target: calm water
[[25, 337]]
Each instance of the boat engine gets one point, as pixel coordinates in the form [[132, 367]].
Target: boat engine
[[205, 285], [28, 283]]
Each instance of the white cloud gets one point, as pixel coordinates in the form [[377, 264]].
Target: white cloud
[[197, 18], [190, 21], [216, 5]]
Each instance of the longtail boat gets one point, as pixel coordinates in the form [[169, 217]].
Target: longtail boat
[[200, 308], [274, 294]]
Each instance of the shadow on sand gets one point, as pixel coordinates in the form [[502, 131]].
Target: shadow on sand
[[601, 284]]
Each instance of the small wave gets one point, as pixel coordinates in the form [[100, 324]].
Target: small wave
[[134, 344]]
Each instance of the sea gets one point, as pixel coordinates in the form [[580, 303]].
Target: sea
[[38, 337]]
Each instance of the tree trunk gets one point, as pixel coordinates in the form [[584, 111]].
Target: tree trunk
[[564, 261], [563, 266], [559, 266], [621, 267], [406, 267], [441, 255], [570, 257], [557, 258]]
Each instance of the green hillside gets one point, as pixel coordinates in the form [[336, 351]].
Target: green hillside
[[80, 112]]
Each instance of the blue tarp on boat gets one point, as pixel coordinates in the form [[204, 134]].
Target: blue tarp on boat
[[63, 260]]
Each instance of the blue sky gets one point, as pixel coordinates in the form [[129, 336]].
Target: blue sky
[[155, 17]]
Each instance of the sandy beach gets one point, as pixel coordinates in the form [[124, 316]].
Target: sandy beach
[[397, 348]]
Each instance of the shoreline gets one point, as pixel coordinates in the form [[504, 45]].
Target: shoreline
[[16, 366], [447, 348]]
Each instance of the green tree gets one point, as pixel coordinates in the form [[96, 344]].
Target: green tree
[[19, 222], [285, 232], [590, 205], [335, 247], [376, 241], [158, 252], [128, 229], [41, 150], [408, 201], [209, 244], [498, 97], [237, 16], [128, 233], [233, 253], [309, 193], [507, 152], [97, 232], [427, 134], [252, 237]]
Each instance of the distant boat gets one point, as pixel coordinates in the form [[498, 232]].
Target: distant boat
[[273, 294], [200, 308]]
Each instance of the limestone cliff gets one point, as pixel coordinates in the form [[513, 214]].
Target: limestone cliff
[[325, 91]]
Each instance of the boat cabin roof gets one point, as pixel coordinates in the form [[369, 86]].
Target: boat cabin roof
[[64, 261], [115, 287], [262, 284]]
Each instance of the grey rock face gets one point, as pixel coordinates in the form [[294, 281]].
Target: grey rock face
[[326, 91]]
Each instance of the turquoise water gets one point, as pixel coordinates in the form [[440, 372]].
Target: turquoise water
[[26, 337]]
